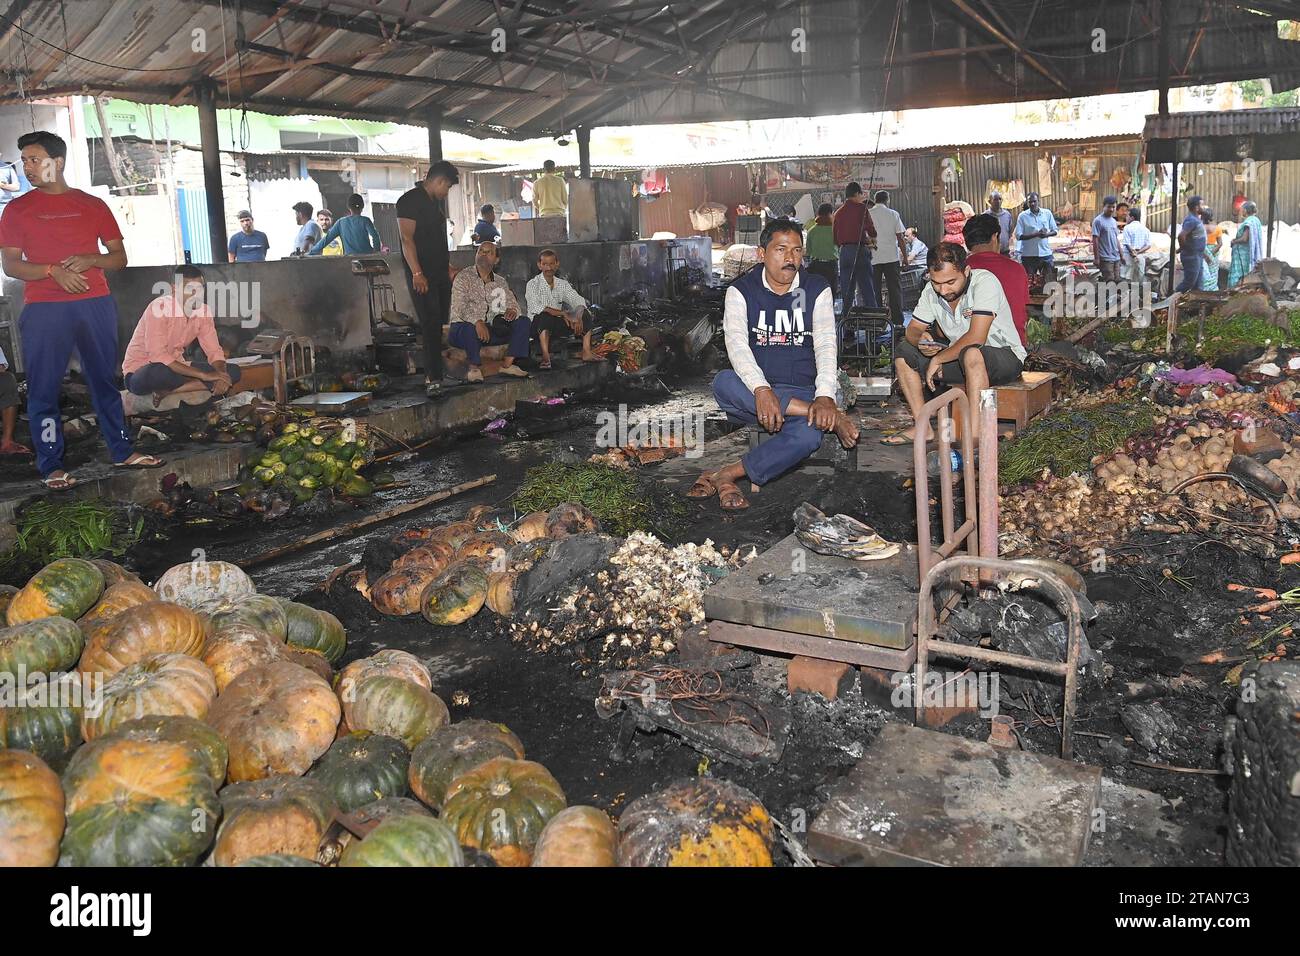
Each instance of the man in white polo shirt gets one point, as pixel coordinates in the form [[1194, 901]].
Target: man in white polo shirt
[[980, 347], [892, 246]]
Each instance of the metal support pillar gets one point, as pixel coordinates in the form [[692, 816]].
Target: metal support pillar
[[433, 122], [584, 151], [211, 149]]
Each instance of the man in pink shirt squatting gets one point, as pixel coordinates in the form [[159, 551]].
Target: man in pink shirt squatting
[[154, 359]]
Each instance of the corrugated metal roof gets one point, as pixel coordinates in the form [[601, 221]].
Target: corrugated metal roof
[[1283, 120], [554, 64]]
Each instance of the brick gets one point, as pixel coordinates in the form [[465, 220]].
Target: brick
[[878, 686], [828, 678], [694, 645]]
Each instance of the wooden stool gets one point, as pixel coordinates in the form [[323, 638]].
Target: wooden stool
[[1020, 401]]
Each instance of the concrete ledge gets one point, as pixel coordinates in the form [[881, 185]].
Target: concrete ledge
[[410, 419]]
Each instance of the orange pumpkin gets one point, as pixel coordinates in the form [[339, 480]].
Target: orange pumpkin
[[502, 806], [280, 814], [578, 836], [275, 718], [68, 587], [31, 810], [235, 648], [137, 632], [7, 592], [115, 599], [398, 592], [312, 659], [488, 546], [114, 573], [700, 821], [570, 518], [453, 750], [159, 685], [501, 592]]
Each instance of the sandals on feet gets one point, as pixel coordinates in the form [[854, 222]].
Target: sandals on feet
[[704, 487], [59, 481], [141, 462], [731, 498]]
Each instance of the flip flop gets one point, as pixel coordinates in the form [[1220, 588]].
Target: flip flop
[[61, 482], [140, 464], [895, 440], [543, 366], [704, 487], [724, 495]]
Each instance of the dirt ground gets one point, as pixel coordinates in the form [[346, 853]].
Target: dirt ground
[[1148, 635]]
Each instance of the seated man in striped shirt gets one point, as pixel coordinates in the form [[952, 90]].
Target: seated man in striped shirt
[[556, 308], [485, 312]]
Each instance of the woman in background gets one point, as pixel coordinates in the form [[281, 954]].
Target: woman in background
[[1214, 237], [357, 232], [1247, 245]]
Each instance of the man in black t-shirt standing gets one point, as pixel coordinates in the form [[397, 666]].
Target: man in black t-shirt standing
[[423, 224]]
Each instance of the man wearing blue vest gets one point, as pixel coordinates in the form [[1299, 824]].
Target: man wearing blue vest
[[779, 325]]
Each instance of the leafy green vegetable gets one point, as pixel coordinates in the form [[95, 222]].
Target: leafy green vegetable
[[1066, 441], [622, 500]]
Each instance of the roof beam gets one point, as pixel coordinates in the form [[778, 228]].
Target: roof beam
[[1010, 43]]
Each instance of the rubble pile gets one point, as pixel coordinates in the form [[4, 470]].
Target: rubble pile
[[633, 609]]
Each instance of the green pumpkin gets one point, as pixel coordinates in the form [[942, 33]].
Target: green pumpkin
[[44, 719], [398, 708], [279, 814], [7, 592], [259, 611], [68, 587], [179, 729], [406, 841], [315, 630], [277, 859], [138, 803], [43, 646], [502, 806], [456, 596], [362, 768], [447, 753]]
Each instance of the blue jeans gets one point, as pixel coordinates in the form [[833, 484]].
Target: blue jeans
[[518, 334], [1193, 267], [50, 331], [156, 377], [792, 444], [865, 286]]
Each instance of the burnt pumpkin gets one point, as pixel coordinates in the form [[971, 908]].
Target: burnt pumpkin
[[530, 527], [362, 768], [115, 599], [487, 546], [45, 719], [406, 840], [578, 836], [258, 611], [315, 630], [280, 815], [276, 718], [31, 810], [159, 685], [477, 513], [701, 821], [158, 627], [201, 585], [502, 592], [399, 591], [570, 518], [398, 708], [68, 587], [133, 802], [237, 647], [433, 554], [455, 596], [455, 749], [45, 645], [205, 742], [502, 806], [455, 534]]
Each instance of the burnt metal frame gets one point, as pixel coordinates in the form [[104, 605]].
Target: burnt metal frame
[[952, 536], [927, 624]]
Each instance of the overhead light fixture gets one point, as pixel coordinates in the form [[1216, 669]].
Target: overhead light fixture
[[561, 141]]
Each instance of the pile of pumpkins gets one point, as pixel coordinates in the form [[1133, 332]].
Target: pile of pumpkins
[[449, 572], [199, 721]]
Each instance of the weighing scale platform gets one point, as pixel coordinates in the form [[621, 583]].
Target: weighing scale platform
[[869, 602], [922, 798], [335, 403]]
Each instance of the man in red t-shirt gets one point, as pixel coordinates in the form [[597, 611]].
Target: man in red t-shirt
[[983, 238], [855, 234], [50, 239]]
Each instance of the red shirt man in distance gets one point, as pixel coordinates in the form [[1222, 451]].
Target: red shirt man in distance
[[50, 239], [982, 234]]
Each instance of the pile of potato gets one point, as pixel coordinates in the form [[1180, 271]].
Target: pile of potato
[[1069, 517]]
